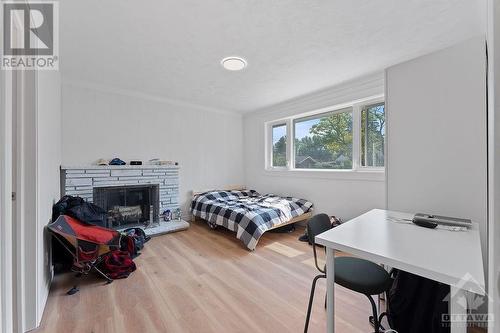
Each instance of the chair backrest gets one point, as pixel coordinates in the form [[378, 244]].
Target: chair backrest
[[317, 224]]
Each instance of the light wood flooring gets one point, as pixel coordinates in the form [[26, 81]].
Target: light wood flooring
[[201, 280]]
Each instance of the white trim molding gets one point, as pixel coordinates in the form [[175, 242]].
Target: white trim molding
[[6, 232], [149, 97]]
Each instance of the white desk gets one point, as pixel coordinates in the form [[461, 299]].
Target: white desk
[[450, 257]]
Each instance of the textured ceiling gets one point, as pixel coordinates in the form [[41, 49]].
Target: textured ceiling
[[173, 49]]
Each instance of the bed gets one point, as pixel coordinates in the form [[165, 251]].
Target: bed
[[247, 212]]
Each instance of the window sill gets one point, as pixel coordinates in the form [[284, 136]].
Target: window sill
[[377, 175]]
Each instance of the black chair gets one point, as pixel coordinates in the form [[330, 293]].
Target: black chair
[[356, 274]]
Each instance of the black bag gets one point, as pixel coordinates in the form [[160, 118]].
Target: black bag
[[135, 238], [417, 304], [81, 210]]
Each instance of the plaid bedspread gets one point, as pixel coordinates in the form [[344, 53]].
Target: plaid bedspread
[[247, 212]]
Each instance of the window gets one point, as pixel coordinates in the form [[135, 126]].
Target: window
[[373, 135], [324, 141], [348, 137], [279, 145]]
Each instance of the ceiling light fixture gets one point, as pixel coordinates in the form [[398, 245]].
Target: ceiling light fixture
[[233, 63]]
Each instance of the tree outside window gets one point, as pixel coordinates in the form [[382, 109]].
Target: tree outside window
[[324, 142], [279, 145], [373, 135]]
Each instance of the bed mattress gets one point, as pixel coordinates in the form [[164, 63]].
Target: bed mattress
[[246, 212]]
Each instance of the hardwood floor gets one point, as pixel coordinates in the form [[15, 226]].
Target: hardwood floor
[[201, 280]]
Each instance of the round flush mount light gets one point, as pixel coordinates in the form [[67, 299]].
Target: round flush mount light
[[233, 63]]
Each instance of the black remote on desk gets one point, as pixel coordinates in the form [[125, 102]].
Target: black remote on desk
[[425, 224]]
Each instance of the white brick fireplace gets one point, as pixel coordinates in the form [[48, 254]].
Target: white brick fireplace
[[81, 181]]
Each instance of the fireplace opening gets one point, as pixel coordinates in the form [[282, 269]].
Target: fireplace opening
[[130, 205]]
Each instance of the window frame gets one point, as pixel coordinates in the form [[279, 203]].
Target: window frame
[[356, 109], [371, 168], [347, 109], [271, 126]]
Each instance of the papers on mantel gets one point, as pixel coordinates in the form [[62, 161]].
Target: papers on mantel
[[409, 221]]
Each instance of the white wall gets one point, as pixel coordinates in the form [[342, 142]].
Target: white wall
[[493, 39], [101, 122], [48, 162], [436, 134], [344, 194]]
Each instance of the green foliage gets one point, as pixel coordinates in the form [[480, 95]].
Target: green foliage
[[312, 146], [279, 152], [372, 135], [330, 143]]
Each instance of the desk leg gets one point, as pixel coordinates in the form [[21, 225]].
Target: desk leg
[[456, 310], [330, 287]]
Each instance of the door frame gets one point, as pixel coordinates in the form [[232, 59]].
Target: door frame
[[6, 226], [19, 291], [493, 93]]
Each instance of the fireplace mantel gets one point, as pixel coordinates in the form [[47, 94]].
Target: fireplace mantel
[[111, 167]]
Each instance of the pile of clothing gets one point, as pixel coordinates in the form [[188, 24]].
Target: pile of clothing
[[118, 262]]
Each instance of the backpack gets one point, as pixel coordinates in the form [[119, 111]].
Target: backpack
[[81, 210], [133, 241], [416, 304], [117, 264]]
